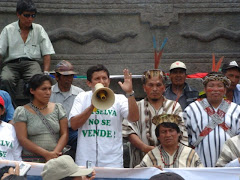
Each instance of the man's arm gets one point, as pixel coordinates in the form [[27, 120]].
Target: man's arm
[[233, 163], [137, 142], [46, 62], [133, 113], [79, 120]]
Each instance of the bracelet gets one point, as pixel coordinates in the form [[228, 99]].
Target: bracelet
[[130, 95], [46, 73]]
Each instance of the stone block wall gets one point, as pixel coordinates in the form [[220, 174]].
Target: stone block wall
[[119, 33]]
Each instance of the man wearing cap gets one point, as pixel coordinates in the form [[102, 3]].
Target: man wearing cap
[[10, 148], [64, 92], [9, 110], [141, 134], [232, 71], [179, 90], [170, 153], [63, 167], [23, 44], [212, 120]]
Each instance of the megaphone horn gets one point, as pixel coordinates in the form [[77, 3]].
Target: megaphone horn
[[103, 97]]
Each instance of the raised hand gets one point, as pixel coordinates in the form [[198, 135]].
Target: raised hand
[[127, 84]]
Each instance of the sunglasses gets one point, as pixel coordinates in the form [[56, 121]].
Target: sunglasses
[[28, 15]]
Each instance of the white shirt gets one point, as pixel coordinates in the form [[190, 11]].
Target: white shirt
[[210, 147], [66, 99], [9, 146], [105, 149]]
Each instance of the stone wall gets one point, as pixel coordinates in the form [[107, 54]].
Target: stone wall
[[118, 33]]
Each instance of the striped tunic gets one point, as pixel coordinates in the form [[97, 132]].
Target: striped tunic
[[230, 152], [210, 147], [186, 157], [140, 127]]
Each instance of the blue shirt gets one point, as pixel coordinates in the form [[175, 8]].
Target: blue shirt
[[188, 96], [9, 110], [236, 95]]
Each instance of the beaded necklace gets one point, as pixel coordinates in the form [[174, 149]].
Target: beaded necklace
[[38, 107], [174, 160]]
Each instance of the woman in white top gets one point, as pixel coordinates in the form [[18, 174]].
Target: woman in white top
[[9, 146]]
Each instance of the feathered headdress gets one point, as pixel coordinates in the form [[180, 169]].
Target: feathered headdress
[[172, 118], [215, 75], [216, 67], [157, 56]]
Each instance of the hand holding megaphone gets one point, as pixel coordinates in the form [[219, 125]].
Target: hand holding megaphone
[[103, 97]]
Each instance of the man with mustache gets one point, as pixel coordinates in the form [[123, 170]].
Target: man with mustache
[[64, 92], [169, 153], [179, 90], [212, 120], [141, 134]]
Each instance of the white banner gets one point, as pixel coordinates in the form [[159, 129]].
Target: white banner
[[146, 173]]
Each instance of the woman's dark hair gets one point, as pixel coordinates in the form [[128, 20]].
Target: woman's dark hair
[[35, 82], [14, 177], [167, 125], [67, 178], [4, 169], [92, 69], [25, 5]]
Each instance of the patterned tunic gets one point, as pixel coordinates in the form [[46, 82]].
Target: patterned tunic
[[230, 153], [210, 147], [184, 157], [142, 127]]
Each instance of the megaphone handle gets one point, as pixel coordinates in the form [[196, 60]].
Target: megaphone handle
[[94, 109]]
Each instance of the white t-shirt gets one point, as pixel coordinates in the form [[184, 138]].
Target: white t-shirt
[[9, 146], [105, 149]]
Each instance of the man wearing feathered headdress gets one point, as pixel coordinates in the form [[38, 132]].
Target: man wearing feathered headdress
[[142, 133], [170, 153], [212, 120]]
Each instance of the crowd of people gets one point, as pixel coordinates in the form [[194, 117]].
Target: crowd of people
[[170, 128]]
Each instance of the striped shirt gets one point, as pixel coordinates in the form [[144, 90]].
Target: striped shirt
[[141, 128], [186, 157], [230, 153], [210, 147]]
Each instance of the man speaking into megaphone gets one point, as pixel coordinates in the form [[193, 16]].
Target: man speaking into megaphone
[[98, 116]]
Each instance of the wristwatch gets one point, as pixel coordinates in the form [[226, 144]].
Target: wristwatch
[[46, 73], [130, 95]]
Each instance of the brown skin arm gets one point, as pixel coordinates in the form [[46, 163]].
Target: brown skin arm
[[91, 178], [159, 167], [137, 142], [133, 112], [46, 62], [63, 135], [21, 131], [80, 119]]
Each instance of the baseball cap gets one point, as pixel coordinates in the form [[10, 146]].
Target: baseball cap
[[167, 176], [62, 167], [177, 64], [2, 101], [65, 68], [232, 64]]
